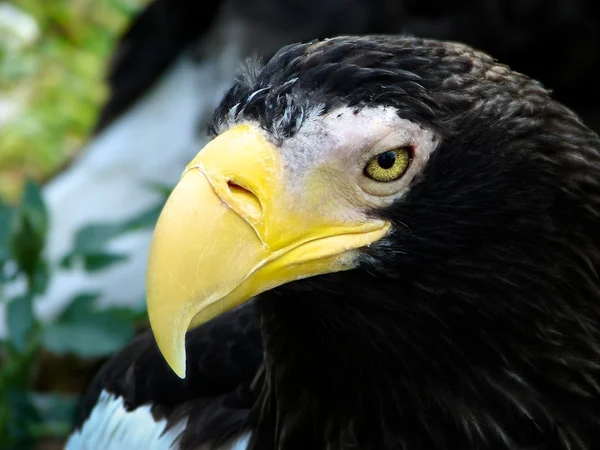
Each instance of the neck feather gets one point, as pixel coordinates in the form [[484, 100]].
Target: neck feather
[[370, 366]]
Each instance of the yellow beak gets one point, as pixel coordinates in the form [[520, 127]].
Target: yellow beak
[[230, 230]]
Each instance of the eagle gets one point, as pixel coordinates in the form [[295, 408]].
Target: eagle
[[388, 243]]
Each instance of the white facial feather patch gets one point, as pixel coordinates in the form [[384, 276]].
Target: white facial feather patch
[[333, 150], [111, 427]]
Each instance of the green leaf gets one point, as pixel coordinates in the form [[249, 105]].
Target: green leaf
[[87, 332], [68, 261], [93, 238], [32, 205], [90, 244], [98, 261], [145, 220], [33, 202], [91, 241], [7, 215], [30, 228], [101, 337], [80, 308], [21, 320], [27, 245]]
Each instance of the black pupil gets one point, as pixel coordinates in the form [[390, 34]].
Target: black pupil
[[386, 160]]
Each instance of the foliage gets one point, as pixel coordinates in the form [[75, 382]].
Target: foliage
[[51, 82], [28, 413], [53, 56]]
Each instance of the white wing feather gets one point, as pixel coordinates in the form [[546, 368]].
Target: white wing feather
[[111, 427]]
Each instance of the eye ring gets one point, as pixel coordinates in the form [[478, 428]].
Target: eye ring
[[389, 166]]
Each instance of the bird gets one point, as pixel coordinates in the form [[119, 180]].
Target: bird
[[166, 75], [389, 242]]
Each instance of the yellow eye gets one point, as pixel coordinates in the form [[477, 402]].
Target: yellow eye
[[389, 166]]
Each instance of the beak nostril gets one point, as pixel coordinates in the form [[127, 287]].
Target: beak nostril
[[246, 199], [236, 188]]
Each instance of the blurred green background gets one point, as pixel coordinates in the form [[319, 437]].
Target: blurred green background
[[53, 55]]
